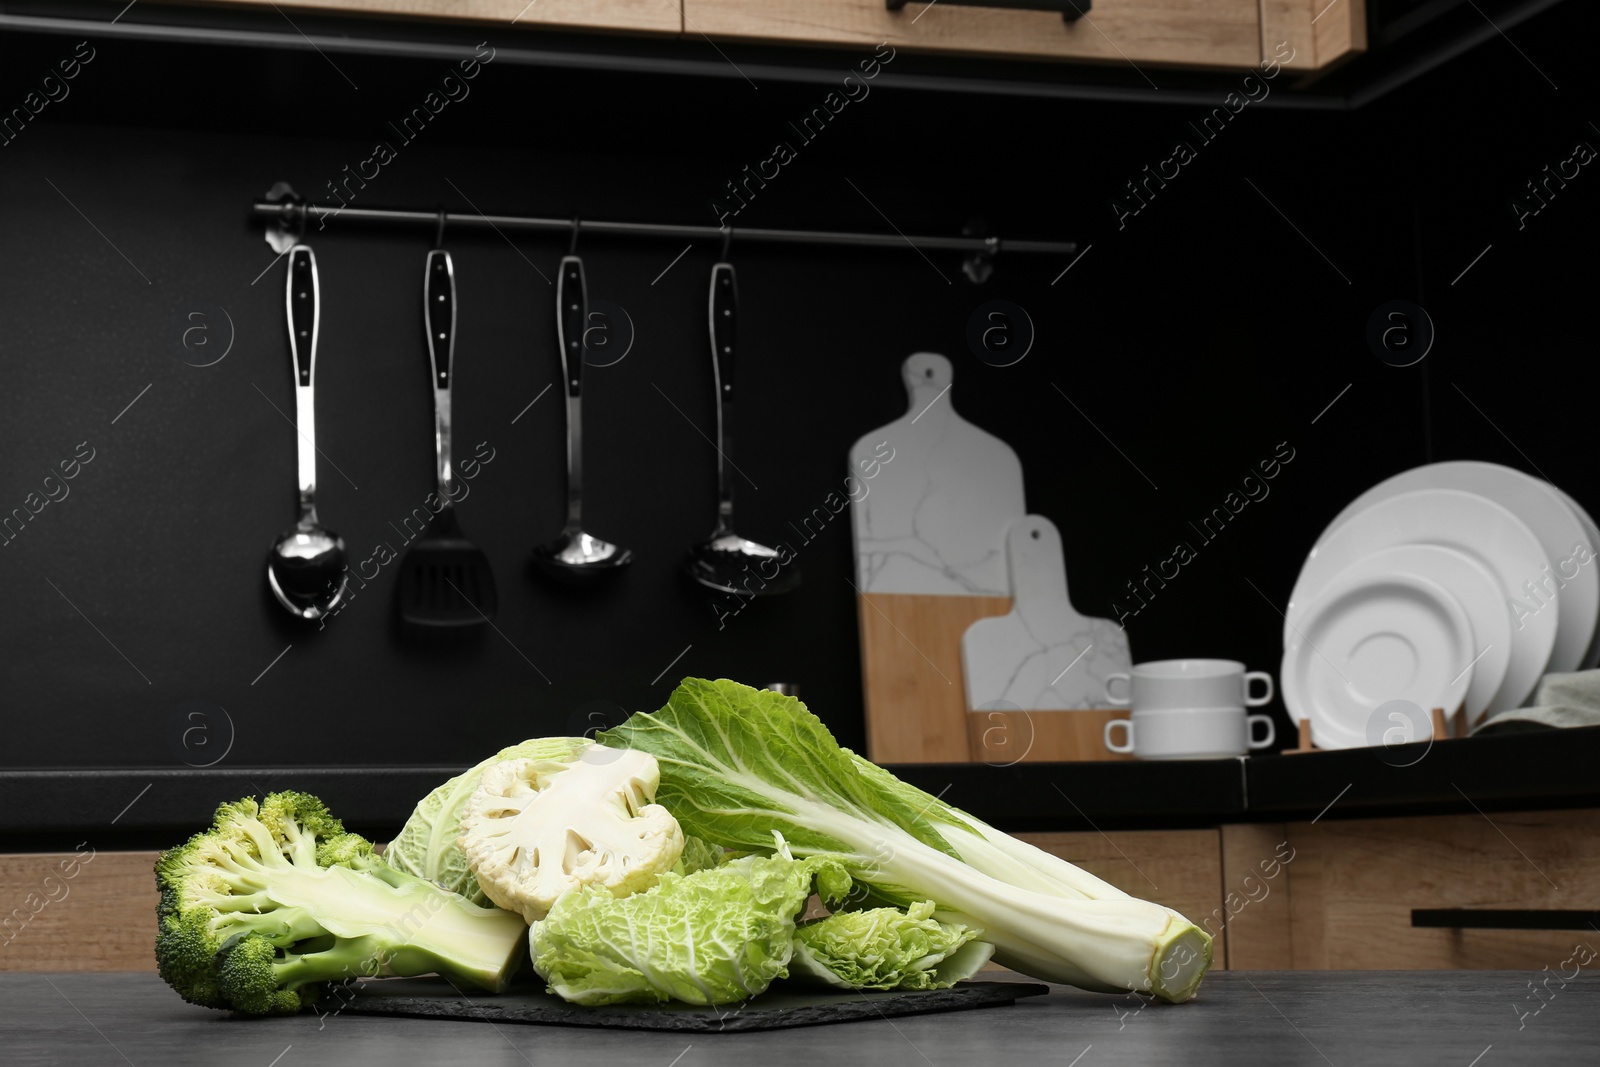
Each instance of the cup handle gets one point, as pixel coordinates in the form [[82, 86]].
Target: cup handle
[[1250, 727], [1127, 745], [1265, 698], [1114, 700]]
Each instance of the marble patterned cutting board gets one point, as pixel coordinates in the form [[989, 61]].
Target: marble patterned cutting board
[[933, 496], [1044, 655], [933, 519]]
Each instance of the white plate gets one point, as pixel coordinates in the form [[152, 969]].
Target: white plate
[[1554, 519], [1460, 520], [1369, 640], [1478, 593], [1592, 660]]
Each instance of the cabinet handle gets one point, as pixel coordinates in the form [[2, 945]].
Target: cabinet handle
[[1504, 919], [1071, 10]]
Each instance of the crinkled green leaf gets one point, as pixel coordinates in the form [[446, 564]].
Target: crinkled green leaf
[[718, 936], [886, 948], [699, 855], [426, 845]]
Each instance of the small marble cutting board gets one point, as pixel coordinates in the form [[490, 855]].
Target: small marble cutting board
[[934, 516], [1044, 655]]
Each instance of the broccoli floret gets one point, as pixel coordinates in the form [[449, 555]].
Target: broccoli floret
[[277, 899]]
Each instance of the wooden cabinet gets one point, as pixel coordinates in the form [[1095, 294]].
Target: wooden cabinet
[[65, 913], [659, 16], [1322, 33], [1230, 34], [1344, 898], [1305, 896], [103, 916], [1179, 868], [1199, 33]]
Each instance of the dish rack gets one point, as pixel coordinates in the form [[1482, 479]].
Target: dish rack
[[1444, 728]]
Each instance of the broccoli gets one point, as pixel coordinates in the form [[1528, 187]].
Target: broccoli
[[276, 899]]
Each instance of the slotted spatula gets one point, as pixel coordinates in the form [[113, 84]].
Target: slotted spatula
[[445, 579]]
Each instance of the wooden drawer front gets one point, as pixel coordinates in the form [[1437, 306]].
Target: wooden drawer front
[[83, 911], [1179, 868], [1199, 33], [661, 16], [1346, 897]]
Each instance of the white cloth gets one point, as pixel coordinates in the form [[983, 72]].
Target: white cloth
[[1570, 699]]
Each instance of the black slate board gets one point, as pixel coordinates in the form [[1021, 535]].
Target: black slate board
[[777, 1009]]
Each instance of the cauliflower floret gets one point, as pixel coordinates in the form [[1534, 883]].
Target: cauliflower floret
[[535, 828]]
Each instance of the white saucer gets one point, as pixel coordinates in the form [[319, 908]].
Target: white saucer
[[1478, 593], [1469, 523], [1561, 526], [1367, 641]]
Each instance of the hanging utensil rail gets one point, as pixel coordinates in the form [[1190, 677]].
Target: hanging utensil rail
[[291, 215]]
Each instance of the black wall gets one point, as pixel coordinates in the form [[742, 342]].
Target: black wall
[[1215, 324]]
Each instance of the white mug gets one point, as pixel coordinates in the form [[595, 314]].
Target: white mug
[[1190, 733], [1188, 683]]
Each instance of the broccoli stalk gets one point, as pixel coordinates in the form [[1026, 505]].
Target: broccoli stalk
[[277, 899]]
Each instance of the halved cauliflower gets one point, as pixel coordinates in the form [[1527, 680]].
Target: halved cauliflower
[[535, 828]]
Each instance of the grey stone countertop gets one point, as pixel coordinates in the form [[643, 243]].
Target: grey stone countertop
[[1369, 1018]]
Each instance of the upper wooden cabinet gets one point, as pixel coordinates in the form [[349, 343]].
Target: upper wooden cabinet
[[662, 16], [1210, 33], [1322, 33], [1226, 34]]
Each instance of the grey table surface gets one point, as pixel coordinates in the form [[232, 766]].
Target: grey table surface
[[1456, 1018]]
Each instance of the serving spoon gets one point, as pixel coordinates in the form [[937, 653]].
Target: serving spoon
[[725, 561], [306, 567]]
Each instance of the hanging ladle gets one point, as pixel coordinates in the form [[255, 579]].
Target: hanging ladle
[[727, 562], [575, 555]]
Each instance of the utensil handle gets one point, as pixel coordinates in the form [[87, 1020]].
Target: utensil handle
[[1071, 10], [302, 304], [439, 320], [439, 314], [724, 317], [572, 318], [1506, 919]]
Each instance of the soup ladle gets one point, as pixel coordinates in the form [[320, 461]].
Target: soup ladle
[[726, 561], [575, 555]]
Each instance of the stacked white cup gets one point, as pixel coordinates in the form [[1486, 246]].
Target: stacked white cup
[[1189, 709]]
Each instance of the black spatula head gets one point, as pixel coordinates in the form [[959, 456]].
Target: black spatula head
[[445, 579]]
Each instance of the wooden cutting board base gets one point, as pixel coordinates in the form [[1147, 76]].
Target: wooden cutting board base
[[916, 699], [776, 1009], [1002, 738], [916, 702]]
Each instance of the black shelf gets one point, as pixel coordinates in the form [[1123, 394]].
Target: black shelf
[[1504, 772], [146, 807], [1099, 795], [135, 808]]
